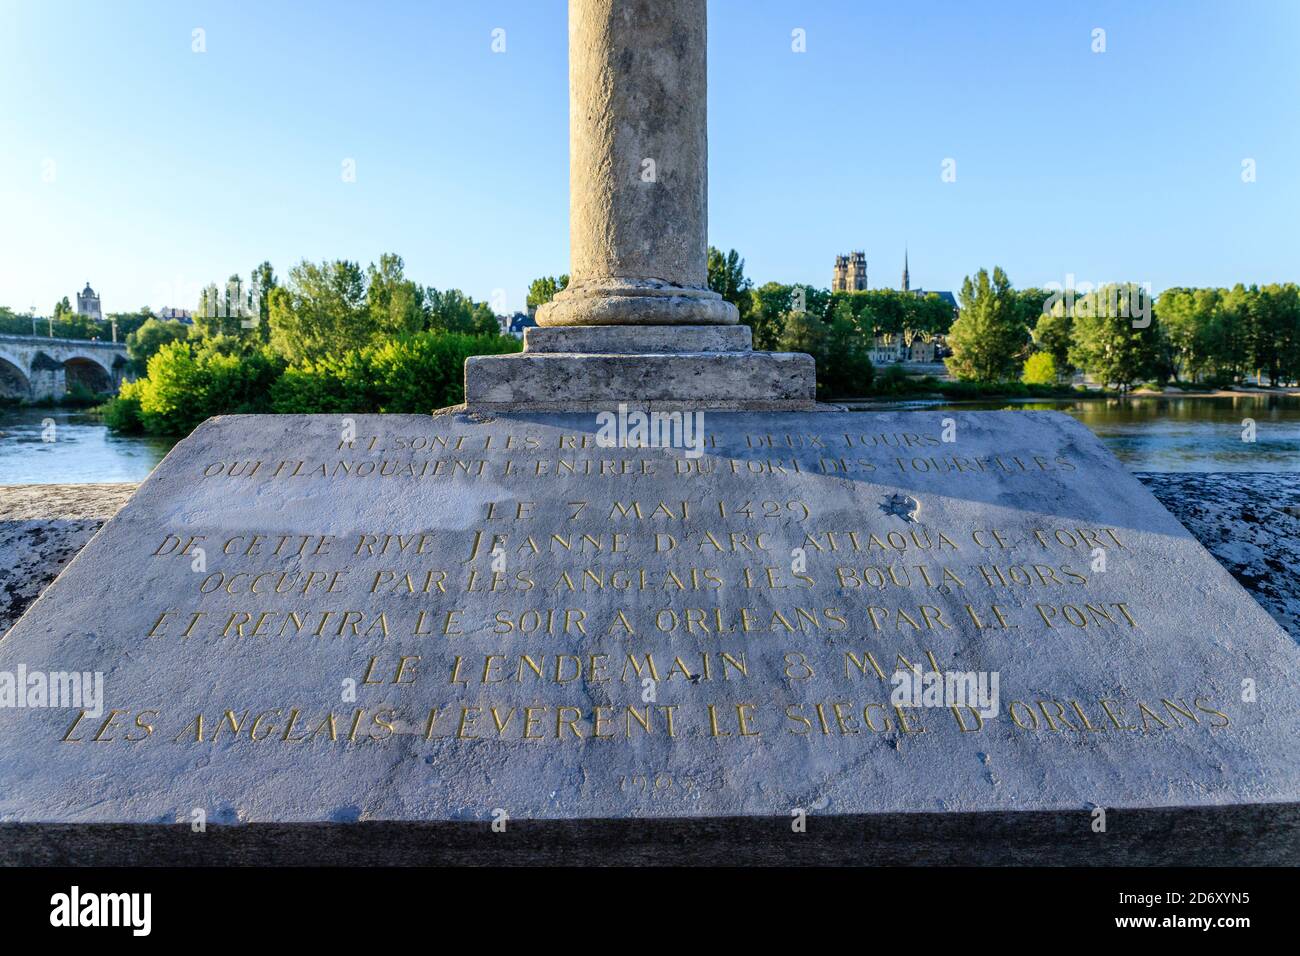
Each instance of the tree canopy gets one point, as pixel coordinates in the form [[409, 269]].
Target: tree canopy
[[989, 339]]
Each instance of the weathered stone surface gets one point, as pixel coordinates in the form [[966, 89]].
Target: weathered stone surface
[[92, 501], [1251, 524], [635, 302], [638, 236], [41, 528], [535, 381], [624, 340], [638, 167], [1241, 518], [1156, 670]]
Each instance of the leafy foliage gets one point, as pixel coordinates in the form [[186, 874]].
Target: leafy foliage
[[727, 278], [542, 290], [412, 374], [890, 311], [1052, 336], [1040, 369], [1110, 341], [321, 310], [338, 338], [844, 368], [190, 381], [990, 337], [144, 342], [187, 384]]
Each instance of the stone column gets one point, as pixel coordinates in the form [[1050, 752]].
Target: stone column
[[638, 168], [638, 323]]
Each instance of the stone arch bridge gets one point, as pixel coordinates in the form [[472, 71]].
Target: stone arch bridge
[[34, 367]]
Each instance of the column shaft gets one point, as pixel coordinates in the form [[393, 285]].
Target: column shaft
[[638, 167]]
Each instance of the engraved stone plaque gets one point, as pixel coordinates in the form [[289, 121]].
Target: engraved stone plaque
[[461, 619]]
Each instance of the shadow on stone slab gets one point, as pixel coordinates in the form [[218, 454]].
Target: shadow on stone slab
[[1248, 835]]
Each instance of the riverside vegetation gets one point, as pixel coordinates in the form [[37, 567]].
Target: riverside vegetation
[[337, 338], [333, 338]]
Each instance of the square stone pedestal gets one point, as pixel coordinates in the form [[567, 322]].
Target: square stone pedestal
[[580, 368]]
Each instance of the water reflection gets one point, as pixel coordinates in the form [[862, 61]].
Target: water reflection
[[1176, 433], [1169, 433]]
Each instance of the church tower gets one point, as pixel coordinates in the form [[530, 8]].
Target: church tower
[[907, 283], [88, 304], [850, 273]]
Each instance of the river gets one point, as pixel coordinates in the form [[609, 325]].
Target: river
[[1174, 433], [1147, 434], [55, 445]]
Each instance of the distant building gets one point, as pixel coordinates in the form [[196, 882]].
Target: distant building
[[88, 304], [850, 273], [515, 324], [889, 348], [907, 287], [171, 314], [913, 347], [851, 276]]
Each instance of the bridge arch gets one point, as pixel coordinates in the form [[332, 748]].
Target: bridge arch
[[14, 380], [89, 373], [49, 366]]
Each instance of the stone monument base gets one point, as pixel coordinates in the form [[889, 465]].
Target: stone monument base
[[583, 368], [634, 303], [750, 381], [528, 638]]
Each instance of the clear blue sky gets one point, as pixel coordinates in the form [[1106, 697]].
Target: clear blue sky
[[172, 168]]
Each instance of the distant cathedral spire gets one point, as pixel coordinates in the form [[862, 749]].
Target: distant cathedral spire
[[906, 280]]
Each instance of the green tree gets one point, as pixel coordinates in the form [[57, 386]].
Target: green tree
[[321, 310], [1275, 334], [1111, 343], [143, 343], [1186, 318], [893, 312], [395, 303], [454, 311], [542, 290], [231, 310], [1232, 334], [727, 278], [801, 332], [128, 322], [769, 304], [844, 368], [1288, 297], [1031, 304], [70, 325], [187, 384], [1040, 369], [989, 338], [11, 323], [839, 348], [1052, 336], [264, 281], [930, 314], [877, 311]]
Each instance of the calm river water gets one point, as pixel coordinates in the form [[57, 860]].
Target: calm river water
[[1147, 434], [1176, 433], [82, 449]]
